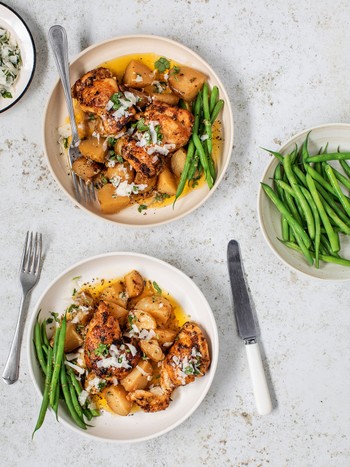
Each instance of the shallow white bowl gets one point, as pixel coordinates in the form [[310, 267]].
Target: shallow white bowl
[[140, 426], [18, 29], [336, 134], [56, 113]]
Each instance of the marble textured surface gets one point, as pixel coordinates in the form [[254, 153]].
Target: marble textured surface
[[285, 65]]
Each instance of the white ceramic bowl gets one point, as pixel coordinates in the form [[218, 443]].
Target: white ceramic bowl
[[12, 22], [337, 134], [141, 426], [56, 113]]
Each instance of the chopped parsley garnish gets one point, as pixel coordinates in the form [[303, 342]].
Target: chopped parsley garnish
[[111, 154], [91, 117], [65, 143], [162, 64], [156, 287], [74, 291], [175, 70], [71, 308], [111, 141], [76, 278], [54, 316], [130, 319], [6, 94], [120, 159], [115, 99], [104, 180], [157, 129], [140, 125], [101, 385], [142, 207], [161, 197], [101, 350]]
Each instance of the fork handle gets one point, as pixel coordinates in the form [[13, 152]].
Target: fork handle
[[10, 374], [59, 45]]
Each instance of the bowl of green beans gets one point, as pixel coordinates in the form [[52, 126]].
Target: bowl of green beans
[[304, 202]]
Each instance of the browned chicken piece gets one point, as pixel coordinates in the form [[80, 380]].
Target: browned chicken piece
[[93, 91], [105, 352], [187, 359], [176, 123], [138, 157]]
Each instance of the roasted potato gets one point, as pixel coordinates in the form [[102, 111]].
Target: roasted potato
[[165, 336], [142, 320], [156, 306], [109, 203], [166, 182], [122, 170], [115, 293], [187, 82], [177, 162], [137, 75], [73, 339], [118, 312], [94, 148], [139, 377], [152, 350], [85, 168], [142, 180], [134, 284], [116, 399], [166, 96]]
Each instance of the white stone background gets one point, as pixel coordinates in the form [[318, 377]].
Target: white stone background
[[286, 67]]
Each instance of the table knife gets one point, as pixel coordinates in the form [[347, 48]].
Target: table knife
[[247, 329]]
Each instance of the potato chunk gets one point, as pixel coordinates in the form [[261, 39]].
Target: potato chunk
[[94, 148], [165, 336], [73, 339], [157, 306], [152, 350], [118, 312], [142, 320], [134, 284], [85, 168], [110, 204], [187, 82], [137, 75], [178, 160], [166, 182], [116, 399], [139, 377], [115, 293], [166, 96]]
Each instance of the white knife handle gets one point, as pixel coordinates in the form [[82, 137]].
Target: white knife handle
[[257, 373]]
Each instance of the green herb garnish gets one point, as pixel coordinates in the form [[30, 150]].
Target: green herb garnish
[[156, 287], [142, 207], [162, 64], [120, 159], [101, 350], [111, 141], [76, 278]]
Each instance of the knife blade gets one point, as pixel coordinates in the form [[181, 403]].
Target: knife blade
[[247, 328]]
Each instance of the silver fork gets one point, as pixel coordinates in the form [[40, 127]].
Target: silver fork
[[29, 276], [84, 192]]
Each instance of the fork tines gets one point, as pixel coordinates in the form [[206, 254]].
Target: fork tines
[[31, 256]]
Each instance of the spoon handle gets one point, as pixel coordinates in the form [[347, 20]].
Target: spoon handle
[[59, 44]]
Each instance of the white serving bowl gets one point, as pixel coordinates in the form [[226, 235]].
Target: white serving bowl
[[140, 426], [336, 134], [12, 22], [56, 112]]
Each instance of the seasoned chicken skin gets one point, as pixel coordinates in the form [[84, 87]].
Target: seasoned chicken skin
[[93, 91], [139, 159], [187, 359], [176, 123], [105, 352]]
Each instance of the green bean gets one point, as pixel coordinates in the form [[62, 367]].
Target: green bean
[[340, 195], [87, 413], [73, 395], [341, 178], [193, 166], [292, 208], [304, 151], [58, 360], [39, 347], [44, 333], [316, 215], [183, 178], [333, 238], [184, 105], [284, 222], [325, 258], [68, 399], [198, 104], [318, 167], [317, 177], [333, 201], [332, 156], [283, 210], [214, 114], [327, 246], [45, 401], [332, 214], [299, 195], [345, 167], [203, 159], [213, 98], [300, 174], [208, 129]]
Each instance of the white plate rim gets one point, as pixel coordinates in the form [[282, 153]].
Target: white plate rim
[[214, 340], [261, 194], [26, 87], [230, 133]]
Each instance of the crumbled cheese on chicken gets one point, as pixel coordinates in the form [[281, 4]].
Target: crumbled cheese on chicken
[[118, 358], [77, 368], [142, 371], [164, 150], [126, 189]]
